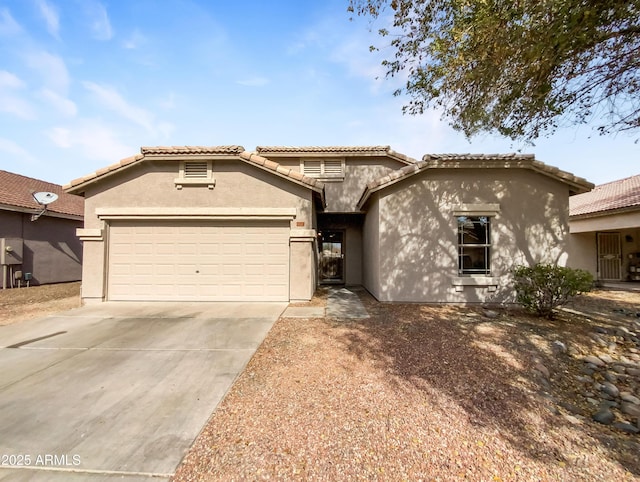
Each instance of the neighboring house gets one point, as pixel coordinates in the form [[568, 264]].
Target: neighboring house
[[605, 227], [221, 223], [47, 249]]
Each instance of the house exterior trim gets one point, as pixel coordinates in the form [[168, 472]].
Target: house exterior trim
[[198, 213]]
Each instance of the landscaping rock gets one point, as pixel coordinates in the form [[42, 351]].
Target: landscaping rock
[[593, 360], [604, 416], [584, 379], [622, 331], [610, 389], [612, 347], [630, 409], [619, 369], [587, 370], [626, 427], [610, 377], [628, 397], [634, 372], [491, 314], [558, 348], [592, 401], [542, 369], [569, 407], [606, 358], [602, 330]]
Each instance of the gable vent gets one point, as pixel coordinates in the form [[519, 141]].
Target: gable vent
[[195, 170], [333, 167], [313, 168]]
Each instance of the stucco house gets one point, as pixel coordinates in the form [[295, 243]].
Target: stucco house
[[45, 250], [605, 229], [222, 223]]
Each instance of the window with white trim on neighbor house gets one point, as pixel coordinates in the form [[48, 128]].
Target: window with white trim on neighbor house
[[474, 245]]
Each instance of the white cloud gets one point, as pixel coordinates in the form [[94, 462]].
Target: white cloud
[[60, 136], [13, 104], [9, 80], [12, 148], [112, 100], [52, 69], [166, 129], [93, 140], [8, 25], [50, 16], [98, 18], [63, 105], [10, 101], [253, 82], [135, 40], [169, 102]]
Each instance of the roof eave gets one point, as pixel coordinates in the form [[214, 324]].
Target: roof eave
[[606, 212], [78, 186], [576, 184], [48, 212], [311, 152]]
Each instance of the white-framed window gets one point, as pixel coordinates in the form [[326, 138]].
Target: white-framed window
[[327, 169], [195, 173], [474, 245]]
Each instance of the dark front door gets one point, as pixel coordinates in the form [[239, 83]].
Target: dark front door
[[332, 257]]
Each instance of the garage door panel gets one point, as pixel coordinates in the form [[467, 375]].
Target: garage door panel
[[200, 262]]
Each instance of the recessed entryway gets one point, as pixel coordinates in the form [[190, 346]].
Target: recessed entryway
[[332, 257]]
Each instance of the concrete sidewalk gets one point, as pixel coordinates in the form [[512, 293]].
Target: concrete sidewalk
[[345, 304]]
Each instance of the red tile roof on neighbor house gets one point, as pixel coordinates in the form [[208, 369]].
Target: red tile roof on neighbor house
[[612, 196], [16, 192]]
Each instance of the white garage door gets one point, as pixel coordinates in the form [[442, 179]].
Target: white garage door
[[198, 261]]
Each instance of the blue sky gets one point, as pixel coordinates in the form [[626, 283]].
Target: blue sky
[[84, 83]]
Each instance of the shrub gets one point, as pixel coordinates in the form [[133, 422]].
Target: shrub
[[543, 287]]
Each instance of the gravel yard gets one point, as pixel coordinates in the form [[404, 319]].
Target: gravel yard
[[20, 304], [421, 393]]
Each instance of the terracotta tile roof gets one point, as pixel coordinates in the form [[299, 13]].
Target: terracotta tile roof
[[511, 160], [16, 190], [620, 194], [334, 150], [191, 150], [184, 152], [476, 157], [265, 163]]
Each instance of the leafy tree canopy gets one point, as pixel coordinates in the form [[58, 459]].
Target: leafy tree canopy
[[521, 68]]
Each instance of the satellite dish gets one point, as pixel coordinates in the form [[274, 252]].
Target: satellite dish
[[43, 198]]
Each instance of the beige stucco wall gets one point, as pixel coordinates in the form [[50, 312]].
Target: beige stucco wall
[[584, 246], [51, 252], [371, 247], [612, 222], [417, 240], [239, 187], [343, 196], [582, 252]]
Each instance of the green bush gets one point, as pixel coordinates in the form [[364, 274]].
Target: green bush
[[543, 287]]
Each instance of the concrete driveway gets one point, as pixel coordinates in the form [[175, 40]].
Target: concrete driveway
[[119, 391]]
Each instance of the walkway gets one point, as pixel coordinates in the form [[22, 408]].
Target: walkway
[[342, 303]]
